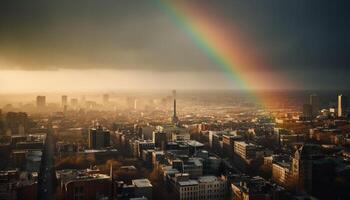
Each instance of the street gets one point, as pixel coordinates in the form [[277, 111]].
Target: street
[[47, 173]]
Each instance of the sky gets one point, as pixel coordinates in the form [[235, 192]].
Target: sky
[[113, 44]]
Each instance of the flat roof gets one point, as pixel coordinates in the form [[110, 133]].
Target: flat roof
[[283, 164], [188, 183], [243, 143], [142, 183], [203, 179], [195, 143]]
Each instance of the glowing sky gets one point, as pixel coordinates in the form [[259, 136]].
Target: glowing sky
[[110, 44]]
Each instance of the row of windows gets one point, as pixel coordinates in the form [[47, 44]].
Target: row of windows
[[188, 188], [212, 186], [212, 191], [212, 196]]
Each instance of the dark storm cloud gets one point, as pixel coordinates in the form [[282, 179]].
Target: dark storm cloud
[[295, 34], [291, 35], [92, 34]]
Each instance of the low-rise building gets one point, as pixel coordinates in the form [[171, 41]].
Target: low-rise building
[[84, 184], [143, 188], [256, 188], [212, 188]]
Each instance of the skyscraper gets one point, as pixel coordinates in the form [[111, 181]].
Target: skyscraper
[[99, 138], [40, 101], [342, 106], [105, 99], [135, 104], [315, 104], [74, 103], [175, 119], [307, 111], [64, 100], [17, 121], [159, 139]]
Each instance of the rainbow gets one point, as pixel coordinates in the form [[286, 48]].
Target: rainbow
[[225, 47]]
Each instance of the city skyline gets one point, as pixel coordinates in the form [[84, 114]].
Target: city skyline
[[174, 99]]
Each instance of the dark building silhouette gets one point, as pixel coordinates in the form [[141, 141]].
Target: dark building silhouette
[[175, 119], [17, 122], [160, 139], [307, 111], [99, 138], [315, 104]]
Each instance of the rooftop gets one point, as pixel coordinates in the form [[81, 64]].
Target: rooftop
[[284, 164], [195, 143], [206, 179], [243, 143], [142, 183], [188, 183]]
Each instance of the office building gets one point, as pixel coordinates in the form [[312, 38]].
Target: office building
[[105, 99], [342, 106], [194, 147], [159, 139], [139, 145], [64, 100], [307, 111], [256, 188], [282, 174], [143, 188], [139, 189], [228, 143], [130, 101], [302, 166], [84, 184], [74, 103], [203, 188], [17, 123], [99, 138], [193, 167], [40, 101], [157, 157], [245, 150], [186, 188], [212, 188], [315, 104], [135, 104]]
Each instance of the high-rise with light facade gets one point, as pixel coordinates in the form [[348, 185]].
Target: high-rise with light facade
[[105, 99], [64, 100], [74, 103], [40, 101], [342, 105]]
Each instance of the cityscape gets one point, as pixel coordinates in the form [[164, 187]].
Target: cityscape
[[176, 100]]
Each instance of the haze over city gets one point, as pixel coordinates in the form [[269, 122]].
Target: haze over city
[[174, 99]]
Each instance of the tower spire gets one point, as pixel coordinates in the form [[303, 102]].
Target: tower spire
[[175, 119]]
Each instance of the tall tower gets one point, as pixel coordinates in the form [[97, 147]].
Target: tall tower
[[105, 99], [64, 100], [175, 119], [342, 105], [40, 101], [315, 103]]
